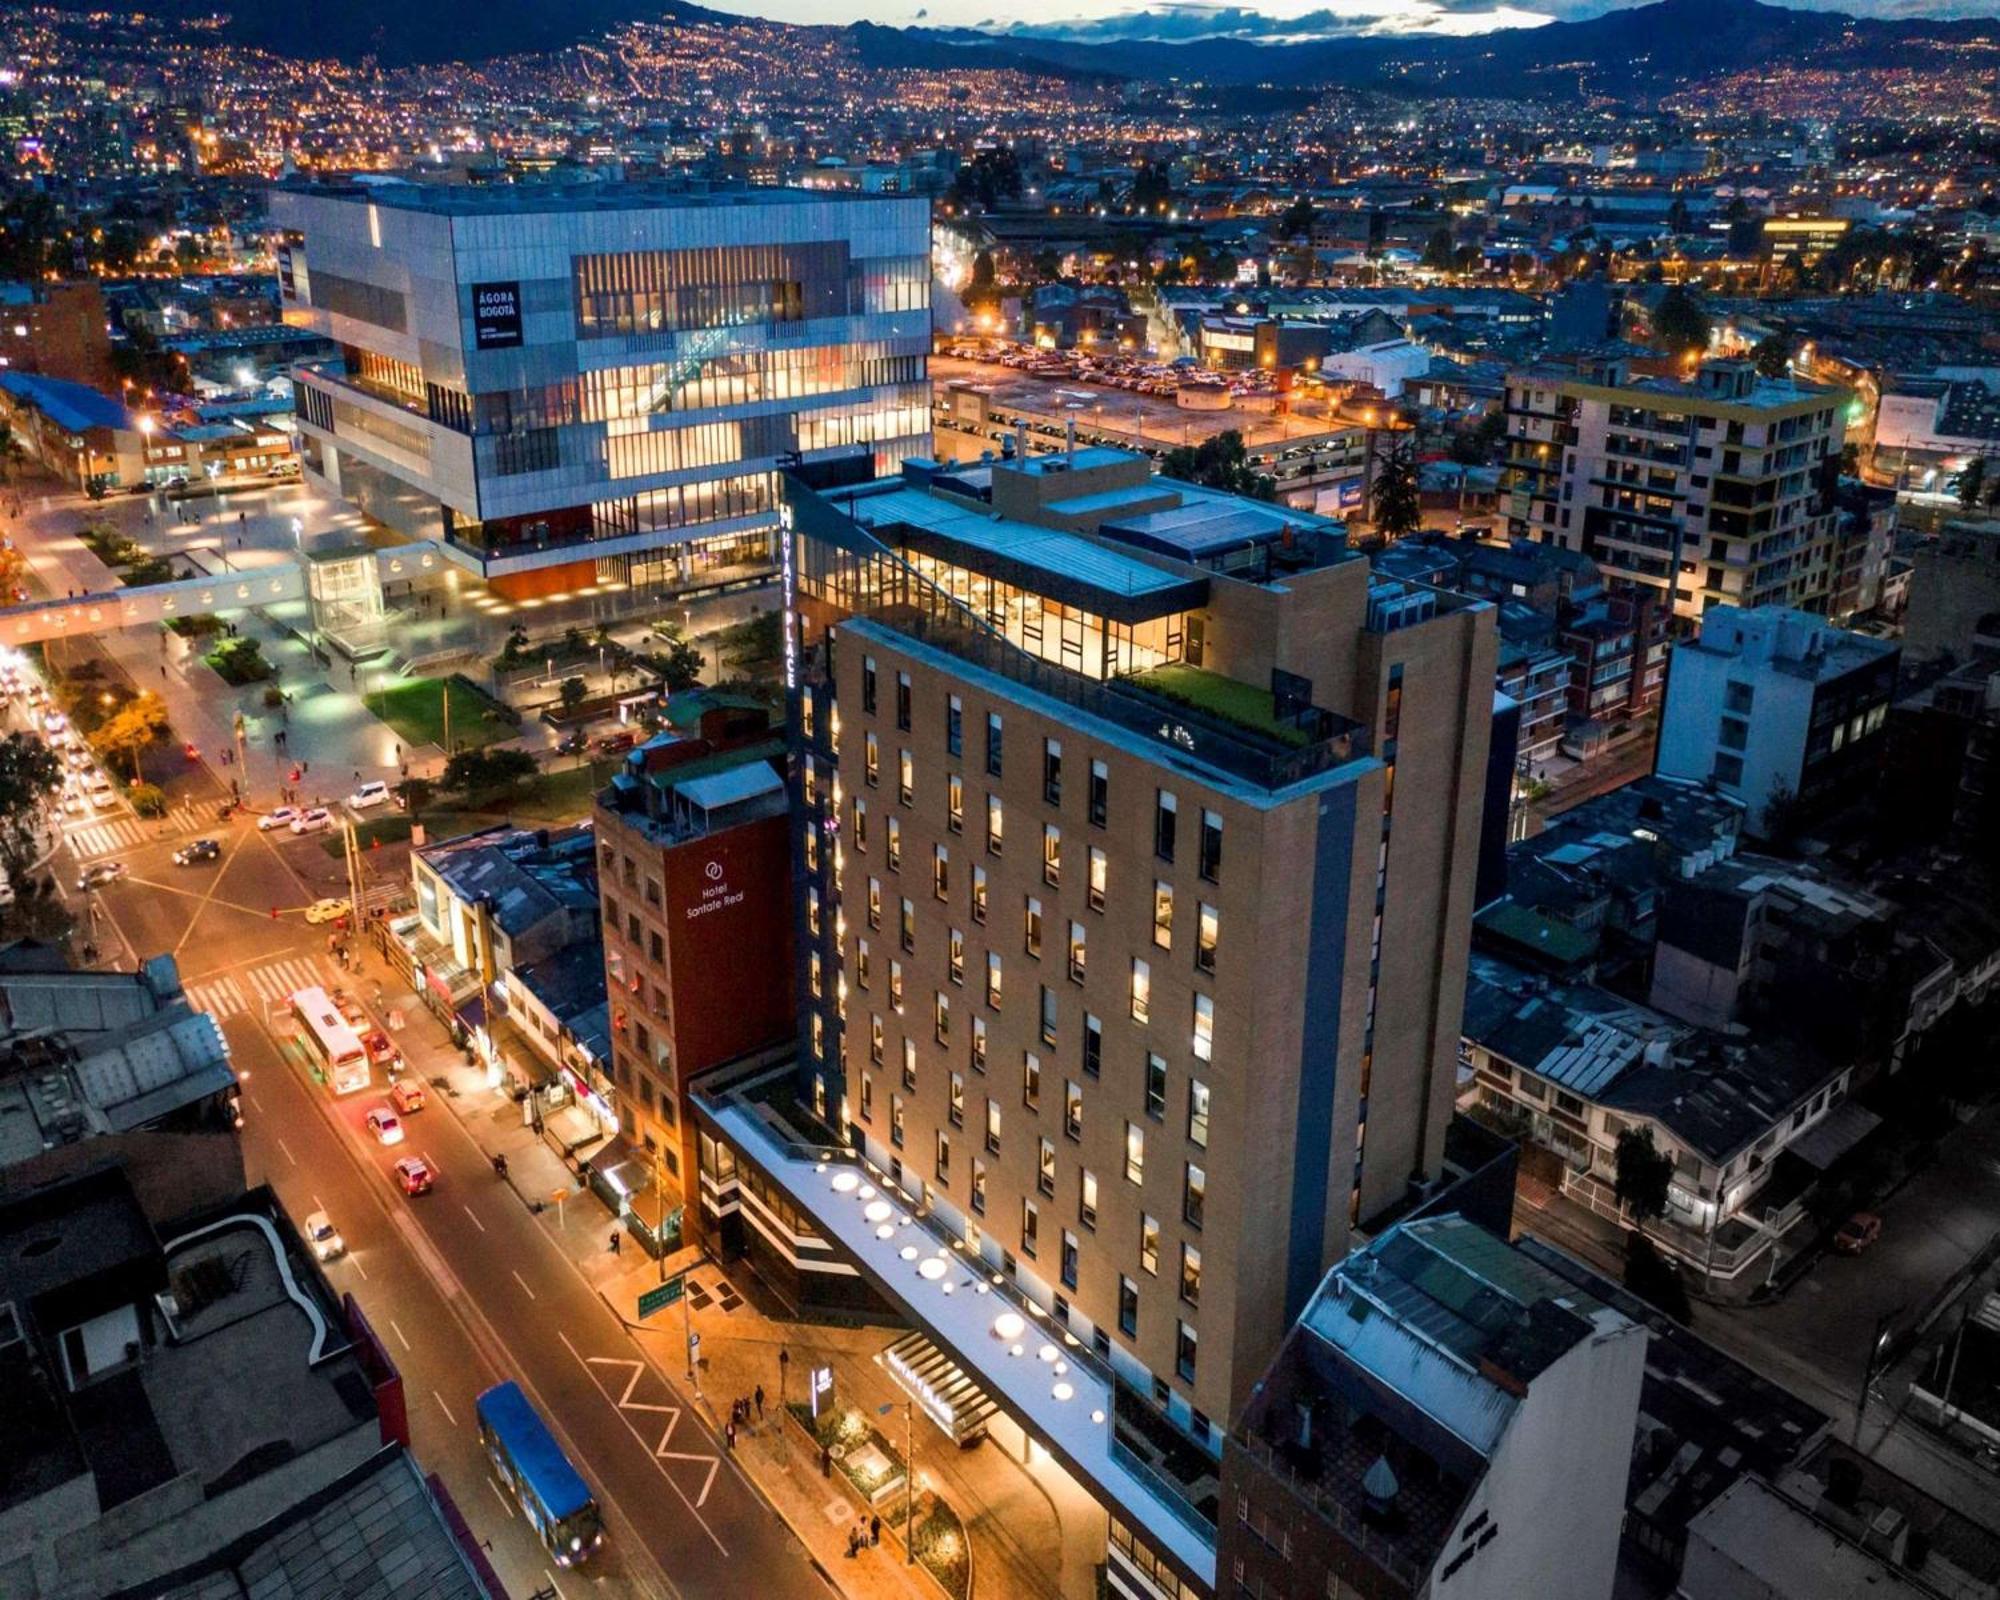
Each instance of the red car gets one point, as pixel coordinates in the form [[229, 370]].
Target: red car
[[414, 1175]]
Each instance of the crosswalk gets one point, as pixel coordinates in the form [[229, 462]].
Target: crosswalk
[[88, 840], [254, 988]]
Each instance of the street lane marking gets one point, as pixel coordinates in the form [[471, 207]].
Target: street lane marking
[[553, 1584], [506, 1505], [405, 1343], [288, 1152], [468, 1211], [626, 1404], [523, 1282], [358, 1267], [443, 1407]]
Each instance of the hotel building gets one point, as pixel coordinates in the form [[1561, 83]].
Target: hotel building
[[1135, 829], [579, 386], [1709, 491]]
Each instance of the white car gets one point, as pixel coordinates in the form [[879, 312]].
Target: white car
[[102, 795], [54, 722], [317, 820], [78, 759], [282, 817], [324, 1237], [372, 793], [74, 804], [385, 1125]]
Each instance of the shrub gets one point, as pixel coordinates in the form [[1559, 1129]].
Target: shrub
[[273, 696], [148, 800]]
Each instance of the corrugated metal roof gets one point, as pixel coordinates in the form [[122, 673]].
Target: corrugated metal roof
[[1061, 554]]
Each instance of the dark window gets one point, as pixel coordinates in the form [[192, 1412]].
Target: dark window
[[1211, 845], [868, 683], [1052, 772], [1128, 1307], [1093, 1047], [995, 750], [1164, 816], [1100, 793], [903, 700], [1069, 1259], [954, 726]]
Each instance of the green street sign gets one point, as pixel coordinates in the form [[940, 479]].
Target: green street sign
[[659, 1298]]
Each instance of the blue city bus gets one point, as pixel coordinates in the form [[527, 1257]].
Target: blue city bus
[[555, 1499]]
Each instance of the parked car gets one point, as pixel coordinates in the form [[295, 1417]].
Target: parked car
[[99, 873], [385, 1125], [612, 744], [317, 820], [414, 1174], [282, 817], [325, 910], [197, 851], [407, 1096], [372, 793], [1857, 1233], [324, 1237], [573, 745]]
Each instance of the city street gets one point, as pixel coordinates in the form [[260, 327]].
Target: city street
[[462, 1284]]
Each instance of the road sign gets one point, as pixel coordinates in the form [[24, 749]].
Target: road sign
[[661, 1296]]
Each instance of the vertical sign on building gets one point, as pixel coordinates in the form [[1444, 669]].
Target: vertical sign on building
[[788, 573], [496, 316]]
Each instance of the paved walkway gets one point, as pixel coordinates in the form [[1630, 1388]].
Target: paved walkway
[[1034, 1532]]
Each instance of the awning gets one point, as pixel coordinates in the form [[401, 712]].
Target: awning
[[941, 1390], [1838, 1132]]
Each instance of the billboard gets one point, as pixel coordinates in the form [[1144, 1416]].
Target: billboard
[[496, 316]]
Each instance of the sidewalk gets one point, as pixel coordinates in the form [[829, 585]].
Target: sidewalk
[[1032, 1531]]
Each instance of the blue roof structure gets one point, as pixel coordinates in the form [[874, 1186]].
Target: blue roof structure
[[75, 406], [534, 1451]]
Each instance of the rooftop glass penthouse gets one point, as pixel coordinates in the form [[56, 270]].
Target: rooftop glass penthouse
[[576, 386]]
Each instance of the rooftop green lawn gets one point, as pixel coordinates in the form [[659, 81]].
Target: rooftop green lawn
[[1242, 703]]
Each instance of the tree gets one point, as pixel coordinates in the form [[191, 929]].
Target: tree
[[982, 270], [1047, 264], [1437, 250], [1397, 510], [11, 450], [1643, 1174], [1969, 483], [678, 661], [1679, 323], [571, 693], [416, 793], [1772, 355], [30, 775], [1655, 1279], [1221, 462], [138, 726], [1296, 219], [480, 771]]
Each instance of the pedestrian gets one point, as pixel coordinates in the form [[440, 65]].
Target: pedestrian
[[760, 1402], [614, 1241], [875, 1530], [825, 1461], [851, 1545], [729, 1434]]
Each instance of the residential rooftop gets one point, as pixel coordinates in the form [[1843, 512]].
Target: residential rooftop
[[1798, 643]]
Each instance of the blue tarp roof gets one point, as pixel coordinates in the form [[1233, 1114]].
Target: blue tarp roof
[[75, 406]]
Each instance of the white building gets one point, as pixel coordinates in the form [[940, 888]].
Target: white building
[[1771, 705], [1388, 365], [595, 385]]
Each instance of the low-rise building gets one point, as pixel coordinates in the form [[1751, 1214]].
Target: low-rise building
[[74, 432], [1403, 1440], [175, 1386], [1954, 606], [1779, 709], [1573, 1067]]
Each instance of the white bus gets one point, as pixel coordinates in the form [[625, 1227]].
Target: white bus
[[337, 1055]]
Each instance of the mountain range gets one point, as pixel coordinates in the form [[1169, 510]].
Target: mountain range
[[1626, 51]]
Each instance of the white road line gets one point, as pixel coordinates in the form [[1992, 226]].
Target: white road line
[[405, 1343], [506, 1505], [255, 1104], [523, 1282], [654, 1451], [288, 1152], [553, 1584], [358, 1267], [463, 1207], [443, 1407]]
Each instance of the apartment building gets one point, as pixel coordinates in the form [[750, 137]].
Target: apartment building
[[1712, 490], [570, 386], [1779, 709], [1136, 831], [1403, 1441]]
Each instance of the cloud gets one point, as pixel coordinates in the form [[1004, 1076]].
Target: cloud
[[1184, 21]]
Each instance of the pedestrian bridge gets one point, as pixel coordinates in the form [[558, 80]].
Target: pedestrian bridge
[[156, 604]]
